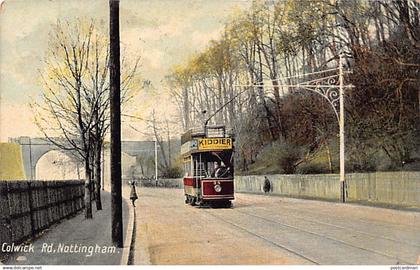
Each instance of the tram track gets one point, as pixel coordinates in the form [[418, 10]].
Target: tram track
[[369, 222], [350, 229], [396, 259], [360, 220], [399, 260], [397, 226], [313, 261]]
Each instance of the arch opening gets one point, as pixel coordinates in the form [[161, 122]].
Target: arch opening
[[56, 165]]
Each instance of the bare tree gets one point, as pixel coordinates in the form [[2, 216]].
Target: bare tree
[[275, 39], [73, 112], [64, 116]]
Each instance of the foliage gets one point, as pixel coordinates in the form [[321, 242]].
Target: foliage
[[273, 44], [172, 172], [312, 168], [288, 156]]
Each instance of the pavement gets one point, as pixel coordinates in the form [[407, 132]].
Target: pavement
[[80, 241], [139, 252], [262, 229]]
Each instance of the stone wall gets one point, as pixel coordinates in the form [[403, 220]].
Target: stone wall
[[400, 189], [302, 186], [392, 189], [387, 188], [165, 183]]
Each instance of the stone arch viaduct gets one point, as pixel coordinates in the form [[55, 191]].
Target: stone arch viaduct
[[34, 148]]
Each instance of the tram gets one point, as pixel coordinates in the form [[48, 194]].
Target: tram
[[208, 167]]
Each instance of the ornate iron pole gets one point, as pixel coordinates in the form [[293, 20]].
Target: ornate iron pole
[[156, 166], [341, 120], [331, 88]]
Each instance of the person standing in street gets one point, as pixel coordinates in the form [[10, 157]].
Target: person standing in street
[[133, 193]]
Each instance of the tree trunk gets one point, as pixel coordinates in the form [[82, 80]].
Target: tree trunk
[[329, 157], [88, 185], [78, 171], [186, 107], [97, 174], [169, 145], [277, 105], [262, 97]]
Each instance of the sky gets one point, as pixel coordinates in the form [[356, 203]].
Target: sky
[[161, 32]]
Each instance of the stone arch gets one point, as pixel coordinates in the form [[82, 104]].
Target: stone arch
[[32, 150], [59, 166]]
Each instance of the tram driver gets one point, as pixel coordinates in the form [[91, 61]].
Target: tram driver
[[220, 170]]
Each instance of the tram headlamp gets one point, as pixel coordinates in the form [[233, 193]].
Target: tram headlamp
[[217, 188]]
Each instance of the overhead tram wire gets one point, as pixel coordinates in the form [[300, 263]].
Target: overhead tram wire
[[147, 120]]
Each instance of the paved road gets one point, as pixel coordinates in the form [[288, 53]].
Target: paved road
[[272, 230]]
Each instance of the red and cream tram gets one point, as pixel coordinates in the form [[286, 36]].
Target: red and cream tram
[[208, 167]]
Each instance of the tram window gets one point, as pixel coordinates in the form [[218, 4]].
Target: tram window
[[200, 168], [187, 168], [211, 168], [212, 164], [222, 171]]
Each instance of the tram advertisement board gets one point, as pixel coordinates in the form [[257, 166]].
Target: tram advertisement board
[[215, 144]]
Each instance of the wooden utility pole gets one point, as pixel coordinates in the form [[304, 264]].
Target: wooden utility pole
[[115, 108]]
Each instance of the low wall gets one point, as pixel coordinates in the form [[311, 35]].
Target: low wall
[[388, 188], [302, 186], [400, 189], [392, 189], [165, 182], [28, 207]]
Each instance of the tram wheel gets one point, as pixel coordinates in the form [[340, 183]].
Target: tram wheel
[[222, 204], [192, 201], [228, 204]]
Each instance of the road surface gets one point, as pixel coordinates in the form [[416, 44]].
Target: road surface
[[271, 230]]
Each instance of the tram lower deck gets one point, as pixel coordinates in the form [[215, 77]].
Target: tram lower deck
[[208, 191]]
